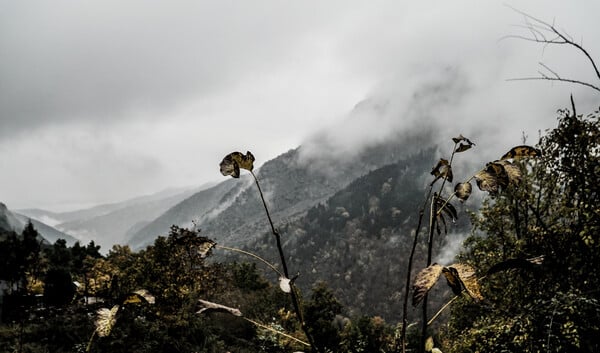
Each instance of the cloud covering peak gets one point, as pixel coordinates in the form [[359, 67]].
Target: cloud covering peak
[[113, 99]]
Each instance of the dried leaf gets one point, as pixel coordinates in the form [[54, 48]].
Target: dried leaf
[[429, 344], [425, 279], [446, 207], [497, 170], [463, 191], [284, 284], [441, 220], [453, 279], [486, 182], [462, 276], [461, 138], [106, 320], [139, 296], [462, 147], [523, 151], [525, 264], [512, 171], [206, 247], [210, 306], [231, 164], [442, 170], [146, 295]]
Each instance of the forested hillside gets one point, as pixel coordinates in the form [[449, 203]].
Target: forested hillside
[[532, 254]]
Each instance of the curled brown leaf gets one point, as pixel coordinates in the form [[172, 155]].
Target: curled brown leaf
[[522, 151], [463, 191], [425, 279], [231, 163]]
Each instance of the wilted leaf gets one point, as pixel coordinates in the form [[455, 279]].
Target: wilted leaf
[[522, 152], [429, 344], [446, 207], [210, 306], [462, 147], [453, 279], [106, 320], [463, 191], [146, 295], [497, 170], [425, 279], [462, 276], [205, 247], [139, 296], [461, 138], [442, 220], [464, 143], [512, 171], [284, 284], [525, 264], [486, 182], [442, 170], [231, 164]]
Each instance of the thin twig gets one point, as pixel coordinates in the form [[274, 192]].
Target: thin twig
[[252, 255], [89, 345], [442, 309], [555, 79], [276, 331]]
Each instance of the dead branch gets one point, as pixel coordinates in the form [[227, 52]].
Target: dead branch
[[539, 31]]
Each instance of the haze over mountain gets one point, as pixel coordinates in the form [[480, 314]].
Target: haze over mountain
[[11, 221], [109, 224]]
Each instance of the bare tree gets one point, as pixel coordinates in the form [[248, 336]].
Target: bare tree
[[542, 32]]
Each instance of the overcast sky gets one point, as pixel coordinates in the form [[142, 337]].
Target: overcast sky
[[104, 100]]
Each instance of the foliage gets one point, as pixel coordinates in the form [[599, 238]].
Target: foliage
[[553, 306], [320, 313], [173, 270]]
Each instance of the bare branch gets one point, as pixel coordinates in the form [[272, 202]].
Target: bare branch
[[555, 79], [537, 29], [549, 69]]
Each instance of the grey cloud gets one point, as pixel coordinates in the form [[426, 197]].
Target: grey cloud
[[165, 81], [107, 60]]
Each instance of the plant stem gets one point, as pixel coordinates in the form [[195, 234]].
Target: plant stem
[[293, 294], [275, 331], [432, 219], [252, 255], [89, 345], [408, 274], [433, 213], [442, 309]]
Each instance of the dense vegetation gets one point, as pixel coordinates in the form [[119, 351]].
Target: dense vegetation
[[552, 215], [53, 293]]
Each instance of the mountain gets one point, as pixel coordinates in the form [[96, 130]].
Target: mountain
[[200, 205], [8, 221], [110, 224], [50, 234], [293, 182], [11, 221], [359, 239], [232, 212]]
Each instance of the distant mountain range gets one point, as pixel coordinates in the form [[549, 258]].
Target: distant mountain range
[[109, 224], [11, 221]]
